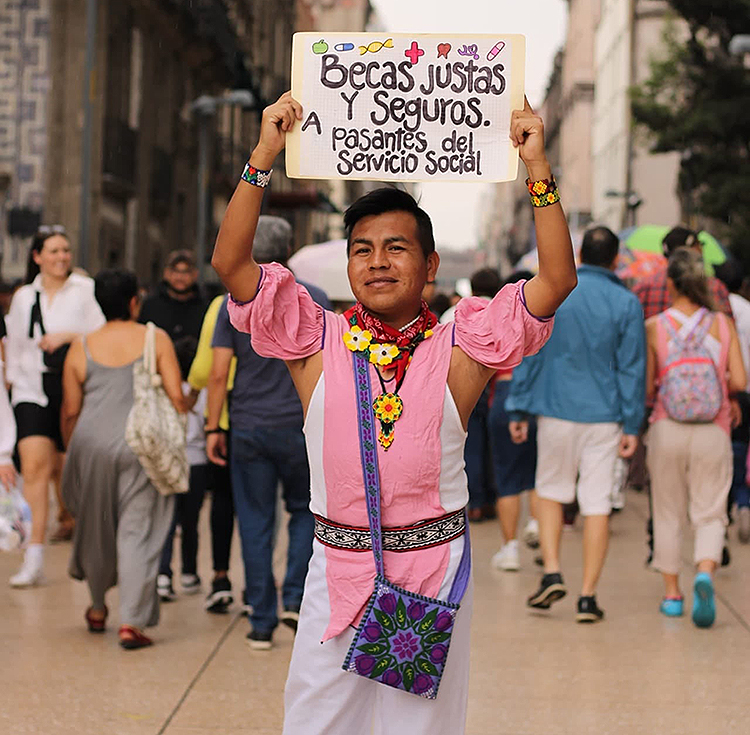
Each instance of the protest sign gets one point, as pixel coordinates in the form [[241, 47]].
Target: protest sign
[[405, 107]]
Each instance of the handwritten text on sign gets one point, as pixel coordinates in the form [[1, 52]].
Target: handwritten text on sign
[[405, 107]]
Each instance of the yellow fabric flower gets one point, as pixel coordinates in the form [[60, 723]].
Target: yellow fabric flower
[[428, 333], [357, 339], [383, 354], [388, 407]]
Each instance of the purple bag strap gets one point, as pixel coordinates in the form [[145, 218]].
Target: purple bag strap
[[371, 474]]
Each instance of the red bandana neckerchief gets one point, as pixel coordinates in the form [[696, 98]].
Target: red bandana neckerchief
[[383, 334], [391, 348]]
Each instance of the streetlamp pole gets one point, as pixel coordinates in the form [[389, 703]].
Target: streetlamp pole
[[204, 141], [89, 91]]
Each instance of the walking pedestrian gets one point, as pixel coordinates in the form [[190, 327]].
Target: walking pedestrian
[[485, 284], [732, 276], [178, 305], [694, 364], [187, 505], [267, 447], [46, 315], [221, 519], [653, 291], [430, 377], [122, 521], [587, 389]]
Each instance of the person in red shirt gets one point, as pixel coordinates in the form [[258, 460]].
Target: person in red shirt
[[652, 291]]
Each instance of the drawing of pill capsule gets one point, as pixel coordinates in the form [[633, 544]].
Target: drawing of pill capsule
[[495, 50], [344, 47]]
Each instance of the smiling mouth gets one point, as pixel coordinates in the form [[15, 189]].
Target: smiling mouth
[[380, 281]]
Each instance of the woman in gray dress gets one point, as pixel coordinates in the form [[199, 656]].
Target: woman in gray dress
[[122, 521]]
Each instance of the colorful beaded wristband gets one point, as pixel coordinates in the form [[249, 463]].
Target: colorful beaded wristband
[[255, 176], [543, 192]]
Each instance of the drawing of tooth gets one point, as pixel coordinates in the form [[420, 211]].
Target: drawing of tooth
[[443, 50], [375, 46]]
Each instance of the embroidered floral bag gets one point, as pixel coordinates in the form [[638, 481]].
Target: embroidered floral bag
[[689, 386], [404, 638], [154, 430]]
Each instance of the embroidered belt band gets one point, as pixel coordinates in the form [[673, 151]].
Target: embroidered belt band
[[422, 535]]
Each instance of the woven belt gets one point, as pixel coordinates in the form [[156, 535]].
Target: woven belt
[[422, 535]]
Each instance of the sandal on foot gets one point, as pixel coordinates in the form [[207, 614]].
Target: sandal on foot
[[131, 638], [96, 625], [672, 607]]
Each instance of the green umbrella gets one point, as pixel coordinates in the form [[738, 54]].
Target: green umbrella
[[648, 239]]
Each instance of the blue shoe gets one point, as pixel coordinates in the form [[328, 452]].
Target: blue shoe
[[704, 606], [672, 607]]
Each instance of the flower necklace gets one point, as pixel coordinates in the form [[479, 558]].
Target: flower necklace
[[385, 346]]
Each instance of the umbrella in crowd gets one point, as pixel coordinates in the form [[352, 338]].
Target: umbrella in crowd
[[324, 265]]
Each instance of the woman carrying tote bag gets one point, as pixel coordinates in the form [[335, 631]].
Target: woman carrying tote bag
[[122, 520]]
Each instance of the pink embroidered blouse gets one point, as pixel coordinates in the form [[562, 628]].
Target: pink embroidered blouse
[[422, 474]]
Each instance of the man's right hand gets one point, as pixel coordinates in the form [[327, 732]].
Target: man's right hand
[[519, 431], [216, 448], [278, 119]]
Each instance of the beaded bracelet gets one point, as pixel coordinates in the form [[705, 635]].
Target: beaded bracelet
[[256, 176], [543, 192]]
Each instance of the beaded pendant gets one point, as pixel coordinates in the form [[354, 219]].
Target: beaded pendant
[[388, 407]]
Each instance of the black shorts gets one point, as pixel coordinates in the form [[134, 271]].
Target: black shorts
[[35, 420]]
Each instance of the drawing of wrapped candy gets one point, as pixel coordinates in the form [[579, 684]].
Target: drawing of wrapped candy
[[375, 46]]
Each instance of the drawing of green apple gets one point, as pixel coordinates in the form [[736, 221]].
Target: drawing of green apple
[[320, 47]]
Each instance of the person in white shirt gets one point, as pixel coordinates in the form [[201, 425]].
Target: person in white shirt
[[7, 434], [732, 275], [46, 315]]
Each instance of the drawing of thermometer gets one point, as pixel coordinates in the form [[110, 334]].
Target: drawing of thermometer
[[344, 47], [495, 50]]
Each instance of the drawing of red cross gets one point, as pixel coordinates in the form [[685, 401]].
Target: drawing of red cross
[[414, 53]]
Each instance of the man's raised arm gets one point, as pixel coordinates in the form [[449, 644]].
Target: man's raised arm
[[233, 252], [557, 270]]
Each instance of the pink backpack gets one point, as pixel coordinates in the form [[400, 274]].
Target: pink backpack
[[689, 385]]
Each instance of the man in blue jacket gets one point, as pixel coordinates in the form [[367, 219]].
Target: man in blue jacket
[[587, 387]]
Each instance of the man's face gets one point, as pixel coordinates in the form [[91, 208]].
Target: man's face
[[181, 277], [387, 268]]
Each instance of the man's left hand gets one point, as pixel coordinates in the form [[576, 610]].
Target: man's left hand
[[527, 134], [628, 445]]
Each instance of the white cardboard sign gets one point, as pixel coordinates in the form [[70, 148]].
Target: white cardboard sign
[[405, 107]]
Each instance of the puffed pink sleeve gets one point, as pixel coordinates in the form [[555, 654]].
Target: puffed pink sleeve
[[282, 320], [501, 332]]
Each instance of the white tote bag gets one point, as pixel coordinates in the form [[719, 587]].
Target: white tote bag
[[154, 430]]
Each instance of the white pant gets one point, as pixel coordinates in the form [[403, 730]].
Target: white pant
[[323, 699], [577, 460]]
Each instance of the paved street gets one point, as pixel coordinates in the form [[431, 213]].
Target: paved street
[[635, 673]]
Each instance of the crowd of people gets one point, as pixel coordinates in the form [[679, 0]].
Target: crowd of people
[[562, 413]]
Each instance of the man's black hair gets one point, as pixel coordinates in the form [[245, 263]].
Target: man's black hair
[[679, 237], [600, 246], [731, 274], [390, 199], [485, 282], [114, 289]]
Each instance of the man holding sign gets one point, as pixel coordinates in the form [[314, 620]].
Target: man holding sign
[[387, 394]]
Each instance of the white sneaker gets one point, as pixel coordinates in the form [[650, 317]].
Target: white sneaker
[[507, 558], [164, 588], [190, 583], [29, 575], [531, 534]]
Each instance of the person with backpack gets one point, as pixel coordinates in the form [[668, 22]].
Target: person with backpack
[[694, 365]]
